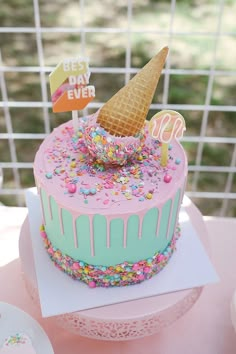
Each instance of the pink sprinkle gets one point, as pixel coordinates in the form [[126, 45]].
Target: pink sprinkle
[[141, 277], [146, 270], [43, 234], [167, 178], [71, 187], [75, 266], [106, 201], [50, 250], [161, 258], [92, 284], [135, 266]]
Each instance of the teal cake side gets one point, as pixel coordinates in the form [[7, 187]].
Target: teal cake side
[[99, 240]]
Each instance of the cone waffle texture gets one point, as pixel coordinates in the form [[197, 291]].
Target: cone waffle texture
[[125, 113]]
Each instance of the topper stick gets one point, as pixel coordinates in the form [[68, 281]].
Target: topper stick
[[75, 120], [164, 154]]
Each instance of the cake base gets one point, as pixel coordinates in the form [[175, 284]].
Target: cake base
[[119, 275]]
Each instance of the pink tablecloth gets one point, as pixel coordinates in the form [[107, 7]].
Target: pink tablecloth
[[205, 329]]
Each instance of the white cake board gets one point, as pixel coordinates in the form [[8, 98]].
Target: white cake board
[[189, 267]]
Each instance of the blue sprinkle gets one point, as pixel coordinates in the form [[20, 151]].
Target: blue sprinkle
[[141, 199], [177, 161], [75, 180], [49, 175], [93, 191], [170, 147], [86, 191]]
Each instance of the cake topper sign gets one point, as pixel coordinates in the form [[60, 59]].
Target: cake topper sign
[[165, 126], [69, 85]]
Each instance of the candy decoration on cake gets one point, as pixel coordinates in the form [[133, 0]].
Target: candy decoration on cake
[[108, 149], [69, 85], [109, 208], [165, 126], [125, 113], [17, 343]]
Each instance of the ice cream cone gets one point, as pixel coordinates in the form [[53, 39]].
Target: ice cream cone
[[125, 113]]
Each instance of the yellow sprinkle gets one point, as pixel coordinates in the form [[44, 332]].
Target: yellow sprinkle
[[140, 158], [149, 195], [119, 269], [97, 138]]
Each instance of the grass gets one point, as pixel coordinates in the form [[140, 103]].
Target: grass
[[187, 52]]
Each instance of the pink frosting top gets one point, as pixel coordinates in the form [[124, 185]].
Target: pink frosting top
[[65, 170]]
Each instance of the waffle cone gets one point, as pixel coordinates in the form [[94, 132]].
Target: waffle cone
[[125, 113]]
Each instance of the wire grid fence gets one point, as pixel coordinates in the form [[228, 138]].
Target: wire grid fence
[[169, 33]]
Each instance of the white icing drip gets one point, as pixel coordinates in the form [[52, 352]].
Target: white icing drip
[[49, 206], [180, 201], [158, 222], [140, 226], [91, 236], [75, 232], [169, 219], [61, 220], [108, 221], [42, 207], [125, 222]]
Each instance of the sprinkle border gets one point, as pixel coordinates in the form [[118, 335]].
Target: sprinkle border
[[123, 274]]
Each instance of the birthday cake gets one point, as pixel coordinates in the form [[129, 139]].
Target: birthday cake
[[19, 343], [111, 186]]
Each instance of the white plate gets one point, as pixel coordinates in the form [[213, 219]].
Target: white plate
[[13, 320]]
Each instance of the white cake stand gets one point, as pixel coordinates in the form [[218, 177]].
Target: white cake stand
[[124, 321]]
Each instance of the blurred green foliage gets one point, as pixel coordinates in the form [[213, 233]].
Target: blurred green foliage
[[191, 51]]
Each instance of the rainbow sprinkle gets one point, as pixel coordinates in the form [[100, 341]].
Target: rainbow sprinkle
[[105, 276], [16, 339], [110, 149]]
